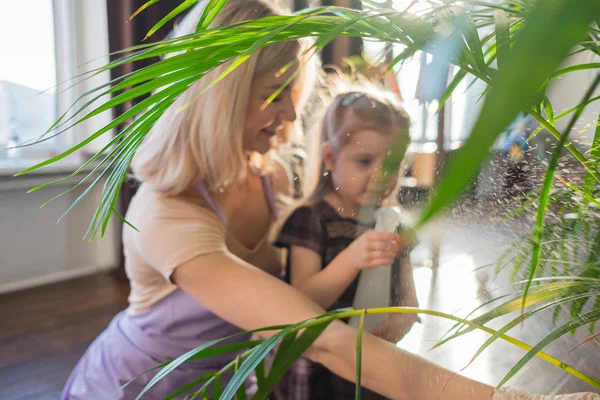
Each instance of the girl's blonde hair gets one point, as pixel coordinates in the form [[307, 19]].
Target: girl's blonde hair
[[359, 108], [203, 141]]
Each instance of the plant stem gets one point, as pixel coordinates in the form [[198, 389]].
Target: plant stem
[[554, 361]]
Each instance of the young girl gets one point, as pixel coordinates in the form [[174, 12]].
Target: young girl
[[328, 246]]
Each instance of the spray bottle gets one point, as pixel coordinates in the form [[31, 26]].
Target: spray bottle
[[375, 284]]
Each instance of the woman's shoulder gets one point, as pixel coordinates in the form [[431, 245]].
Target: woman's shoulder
[[149, 206], [168, 229]]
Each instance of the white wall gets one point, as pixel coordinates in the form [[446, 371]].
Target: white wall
[[568, 91], [91, 41], [34, 250]]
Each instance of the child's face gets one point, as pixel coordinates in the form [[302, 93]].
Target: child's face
[[355, 167], [262, 125]]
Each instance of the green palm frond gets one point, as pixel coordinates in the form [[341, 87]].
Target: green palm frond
[[543, 296], [290, 344]]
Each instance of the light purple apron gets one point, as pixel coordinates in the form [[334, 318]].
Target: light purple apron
[[134, 343]]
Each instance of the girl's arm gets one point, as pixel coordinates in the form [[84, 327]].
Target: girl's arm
[[250, 299], [323, 285]]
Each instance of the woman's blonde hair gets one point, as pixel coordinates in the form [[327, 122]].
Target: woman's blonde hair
[[203, 141], [359, 107]]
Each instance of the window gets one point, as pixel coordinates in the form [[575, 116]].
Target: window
[[28, 99], [462, 108], [45, 43]]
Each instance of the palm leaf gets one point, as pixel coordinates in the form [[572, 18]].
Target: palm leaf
[[544, 41], [217, 387], [548, 182], [251, 363], [539, 294], [502, 38], [567, 145], [178, 10], [467, 27], [576, 68], [361, 325], [222, 44], [199, 352], [210, 12], [520, 319], [569, 326], [190, 386], [142, 8], [171, 91], [589, 184], [241, 392], [289, 355], [591, 271], [176, 363], [456, 80]]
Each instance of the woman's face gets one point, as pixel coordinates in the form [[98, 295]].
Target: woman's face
[[264, 121]]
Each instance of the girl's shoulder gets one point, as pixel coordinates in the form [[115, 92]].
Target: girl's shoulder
[[326, 209], [304, 227], [313, 210]]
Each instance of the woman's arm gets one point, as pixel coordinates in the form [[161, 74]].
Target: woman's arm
[[251, 299], [323, 285], [241, 293], [393, 372]]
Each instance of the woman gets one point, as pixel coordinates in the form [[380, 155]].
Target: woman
[[200, 266]]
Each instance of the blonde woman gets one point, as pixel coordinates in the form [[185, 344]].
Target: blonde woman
[[200, 267]]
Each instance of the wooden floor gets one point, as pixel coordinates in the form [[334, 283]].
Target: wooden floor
[[44, 332]]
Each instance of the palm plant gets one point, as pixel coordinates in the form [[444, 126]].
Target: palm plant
[[518, 57]]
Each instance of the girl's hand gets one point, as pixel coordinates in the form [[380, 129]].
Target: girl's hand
[[373, 249]]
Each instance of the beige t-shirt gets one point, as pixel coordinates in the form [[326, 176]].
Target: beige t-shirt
[[173, 231]]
